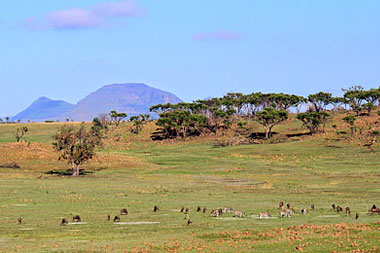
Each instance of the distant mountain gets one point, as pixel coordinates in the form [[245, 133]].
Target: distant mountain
[[131, 98], [44, 109]]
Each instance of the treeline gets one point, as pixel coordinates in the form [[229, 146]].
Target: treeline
[[214, 115]]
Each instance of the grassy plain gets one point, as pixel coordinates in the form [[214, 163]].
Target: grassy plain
[[136, 173]]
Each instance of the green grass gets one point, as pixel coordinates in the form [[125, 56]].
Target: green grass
[[140, 174]]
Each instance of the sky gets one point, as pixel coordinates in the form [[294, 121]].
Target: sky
[[66, 49]]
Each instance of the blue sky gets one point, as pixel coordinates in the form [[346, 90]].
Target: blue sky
[[65, 49]]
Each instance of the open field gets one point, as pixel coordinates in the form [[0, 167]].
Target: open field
[[136, 173]]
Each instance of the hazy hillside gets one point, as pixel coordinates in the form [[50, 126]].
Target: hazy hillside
[[132, 98], [44, 109]]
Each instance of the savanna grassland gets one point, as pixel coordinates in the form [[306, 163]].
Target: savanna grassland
[[131, 171]]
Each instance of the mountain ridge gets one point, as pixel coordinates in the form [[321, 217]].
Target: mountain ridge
[[131, 98]]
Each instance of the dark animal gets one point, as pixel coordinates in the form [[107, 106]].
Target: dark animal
[[198, 209], [187, 210], [124, 211], [333, 206], [312, 207], [76, 218], [189, 222], [281, 205], [19, 220], [220, 210], [356, 216], [64, 222], [303, 211], [116, 219], [339, 209], [288, 205], [182, 209], [204, 209], [155, 209], [348, 211], [108, 217]]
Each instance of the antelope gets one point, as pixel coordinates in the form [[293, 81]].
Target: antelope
[[189, 222], [284, 213], [204, 210], [124, 211], [198, 209], [155, 209], [214, 213], [227, 210], [116, 219], [76, 218], [348, 211], [182, 209], [356, 216], [312, 207], [19, 220], [264, 215], [108, 217], [64, 222], [303, 211], [333, 206], [240, 214], [280, 205]]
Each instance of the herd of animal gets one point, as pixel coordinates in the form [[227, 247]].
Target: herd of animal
[[285, 211]]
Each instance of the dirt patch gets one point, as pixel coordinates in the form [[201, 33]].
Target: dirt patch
[[229, 181], [137, 223]]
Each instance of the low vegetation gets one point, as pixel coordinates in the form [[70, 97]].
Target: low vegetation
[[196, 187]]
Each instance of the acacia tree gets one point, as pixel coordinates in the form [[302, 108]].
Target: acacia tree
[[75, 146], [117, 117], [312, 120], [20, 133], [139, 122], [270, 117], [320, 100]]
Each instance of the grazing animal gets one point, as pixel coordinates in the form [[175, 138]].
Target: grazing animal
[[374, 209], [64, 222], [220, 210], [303, 211], [155, 209], [187, 210], [312, 207], [19, 220], [198, 209], [356, 216], [348, 211], [108, 217], [288, 205], [189, 222], [290, 211], [214, 213], [76, 218], [182, 209], [339, 209], [204, 210], [124, 211], [333, 206], [264, 215], [227, 210], [240, 214], [116, 219], [281, 205], [284, 213]]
